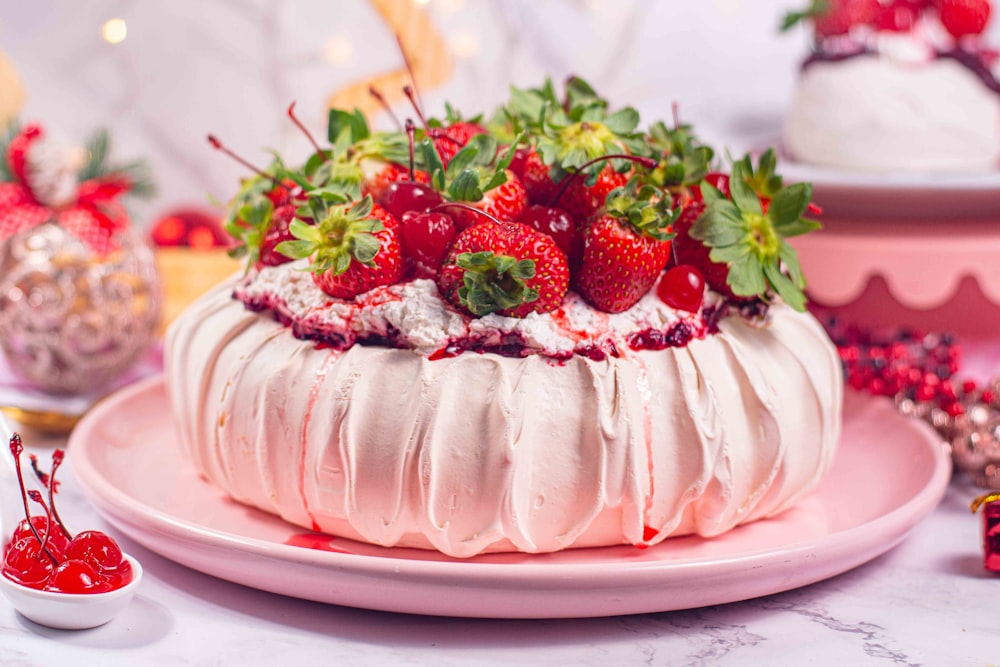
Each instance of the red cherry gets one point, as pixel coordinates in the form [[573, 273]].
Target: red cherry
[[119, 577], [277, 232], [404, 196], [517, 163], [682, 287], [554, 221], [96, 548], [25, 564], [76, 576], [426, 238], [57, 540]]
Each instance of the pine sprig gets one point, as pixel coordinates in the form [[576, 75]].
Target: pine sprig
[[98, 151], [12, 130]]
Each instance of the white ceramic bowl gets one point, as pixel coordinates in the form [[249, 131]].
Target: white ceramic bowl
[[71, 611]]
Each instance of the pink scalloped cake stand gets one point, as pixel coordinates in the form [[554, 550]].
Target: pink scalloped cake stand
[[941, 275]]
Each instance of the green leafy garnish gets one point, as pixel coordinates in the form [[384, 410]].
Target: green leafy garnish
[[751, 241], [793, 18], [494, 282], [344, 233], [645, 207]]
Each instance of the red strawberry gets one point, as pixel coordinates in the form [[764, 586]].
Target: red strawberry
[[624, 249], [842, 15], [506, 202], [354, 248], [691, 252], [507, 268], [897, 16], [451, 139], [582, 200], [277, 232], [539, 185], [964, 17]]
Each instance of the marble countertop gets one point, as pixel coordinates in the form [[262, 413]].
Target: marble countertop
[[926, 602]]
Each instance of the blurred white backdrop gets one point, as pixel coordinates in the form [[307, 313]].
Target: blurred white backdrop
[[169, 72]]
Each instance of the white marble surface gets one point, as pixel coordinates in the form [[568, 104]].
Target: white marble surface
[[926, 602]]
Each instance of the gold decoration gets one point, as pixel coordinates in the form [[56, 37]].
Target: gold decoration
[[982, 500], [11, 92], [420, 43], [70, 321]]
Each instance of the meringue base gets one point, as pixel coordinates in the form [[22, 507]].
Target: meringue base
[[480, 452]]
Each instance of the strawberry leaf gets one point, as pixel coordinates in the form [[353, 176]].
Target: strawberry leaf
[[790, 203], [465, 187], [786, 289], [343, 124], [750, 242], [295, 249], [743, 195], [746, 277], [494, 282], [623, 121], [815, 8], [344, 235]]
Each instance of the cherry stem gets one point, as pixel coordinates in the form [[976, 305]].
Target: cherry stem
[[411, 138], [473, 209], [649, 163], [409, 70], [218, 145], [305, 130], [37, 497], [675, 109], [373, 91], [57, 458], [410, 95], [16, 448]]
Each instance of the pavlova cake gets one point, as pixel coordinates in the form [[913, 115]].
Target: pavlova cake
[[547, 330], [897, 85]]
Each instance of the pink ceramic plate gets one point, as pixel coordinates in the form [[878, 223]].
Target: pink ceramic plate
[[889, 473]]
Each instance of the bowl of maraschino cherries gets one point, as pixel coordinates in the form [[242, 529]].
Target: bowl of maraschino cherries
[[52, 576]]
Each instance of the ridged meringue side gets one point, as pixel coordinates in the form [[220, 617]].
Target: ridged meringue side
[[480, 452]]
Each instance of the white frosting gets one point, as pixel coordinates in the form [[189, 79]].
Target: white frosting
[[480, 452], [415, 313], [898, 113]]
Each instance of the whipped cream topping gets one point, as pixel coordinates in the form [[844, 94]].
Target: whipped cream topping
[[413, 315], [480, 452], [883, 114]]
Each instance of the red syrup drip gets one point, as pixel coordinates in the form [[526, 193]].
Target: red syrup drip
[[317, 541], [648, 534]]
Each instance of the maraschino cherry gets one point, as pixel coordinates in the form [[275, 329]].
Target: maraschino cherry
[[43, 555], [682, 288], [404, 196]]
